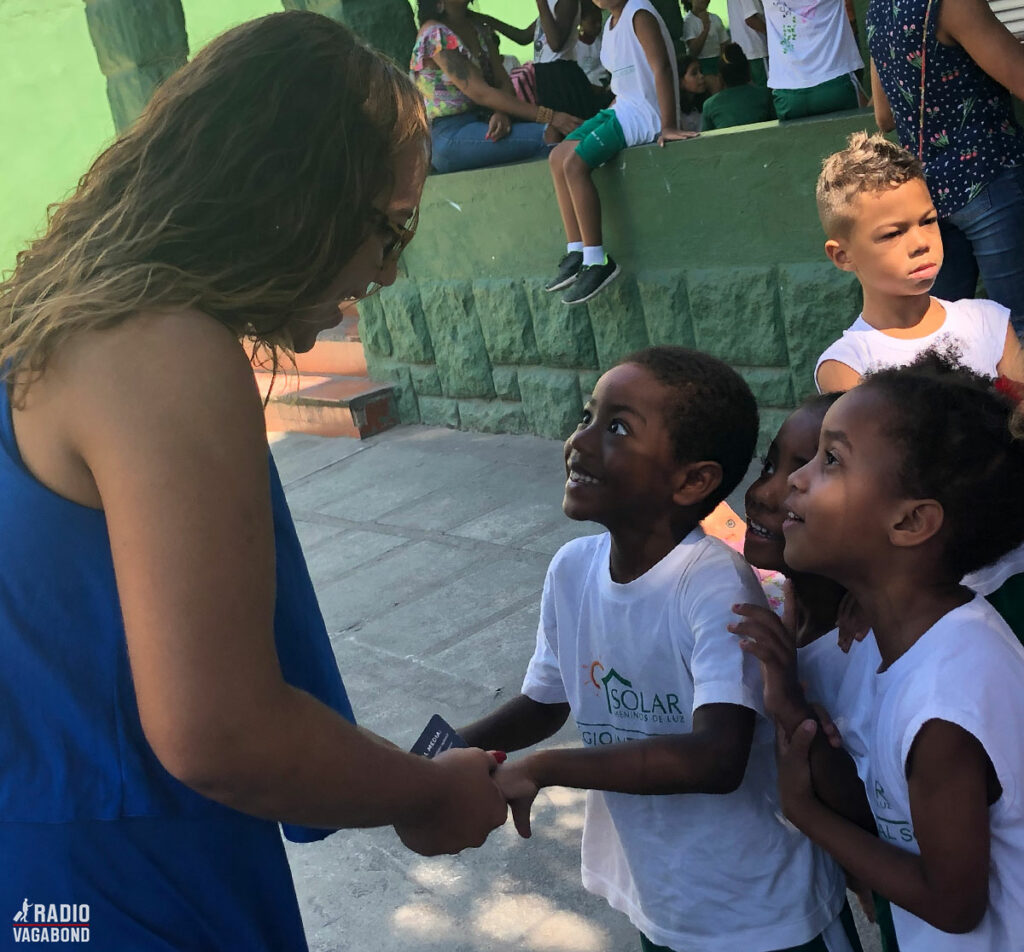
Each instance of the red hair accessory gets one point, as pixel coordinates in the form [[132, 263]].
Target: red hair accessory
[[1011, 389]]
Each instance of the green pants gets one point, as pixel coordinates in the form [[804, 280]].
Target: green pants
[[831, 96], [817, 944]]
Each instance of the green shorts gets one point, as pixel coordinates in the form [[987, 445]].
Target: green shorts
[[759, 72], [600, 138], [709, 65], [831, 96]]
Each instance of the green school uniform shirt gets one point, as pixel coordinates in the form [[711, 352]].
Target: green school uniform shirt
[[736, 106]]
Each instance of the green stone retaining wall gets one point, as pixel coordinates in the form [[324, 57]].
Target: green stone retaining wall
[[720, 246]]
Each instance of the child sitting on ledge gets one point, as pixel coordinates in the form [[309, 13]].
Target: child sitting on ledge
[[637, 49]]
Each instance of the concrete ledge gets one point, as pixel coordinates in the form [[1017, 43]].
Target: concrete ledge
[[720, 246]]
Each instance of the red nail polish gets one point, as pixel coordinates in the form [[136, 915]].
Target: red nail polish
[[500, 756]]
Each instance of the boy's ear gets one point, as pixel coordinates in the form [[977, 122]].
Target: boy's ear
[[838, 255], [916, 521], [696, 481]]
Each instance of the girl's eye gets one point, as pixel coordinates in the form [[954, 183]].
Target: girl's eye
[[767, 467], [830, 458], [618, 427], [585, 418]]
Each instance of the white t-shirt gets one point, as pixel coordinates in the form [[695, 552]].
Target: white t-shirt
[[720, 873], [588, 55], [809, 42], [636, 98], [717, 36], [967, 669], [753, 44], [843, 683], [542, 52], [977, 328]]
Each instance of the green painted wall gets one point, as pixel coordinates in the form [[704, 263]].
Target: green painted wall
[[721, 248]]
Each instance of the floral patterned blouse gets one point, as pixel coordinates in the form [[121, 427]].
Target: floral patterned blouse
[[969, 134], [442, 96]]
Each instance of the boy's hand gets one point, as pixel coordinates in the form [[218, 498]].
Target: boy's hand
[[796, 791], [520, 790], [565, 123], [673, 135], [764, 635]]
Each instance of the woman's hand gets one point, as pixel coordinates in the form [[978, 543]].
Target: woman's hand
[[467, 806], [674, 135], [520, 790], [851, 623], [565, 123], [764, 635], [498, 127]]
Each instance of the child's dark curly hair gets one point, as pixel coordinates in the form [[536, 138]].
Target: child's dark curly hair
[[712, 416], [962, 446]]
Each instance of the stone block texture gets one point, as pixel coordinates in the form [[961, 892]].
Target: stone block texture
[[439, 411], [492, 416], [617, 321], [551, 401], [459, 348], [407, 327], [564, 337], [505, 321]]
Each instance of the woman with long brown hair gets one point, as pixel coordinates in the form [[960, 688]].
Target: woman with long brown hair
[[168, 686]]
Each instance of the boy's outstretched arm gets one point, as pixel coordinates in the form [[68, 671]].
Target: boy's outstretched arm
[[649, 35], [521, 722], [712, 758], [948, 774], [1011, 364]]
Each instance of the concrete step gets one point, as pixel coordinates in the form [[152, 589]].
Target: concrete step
[[327, 404]]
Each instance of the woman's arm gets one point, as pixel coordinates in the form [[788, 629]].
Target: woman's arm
[[558, 26], [712, 758], [464, 74], [182, 473], [973, 25], [947, 884], [880, 103]]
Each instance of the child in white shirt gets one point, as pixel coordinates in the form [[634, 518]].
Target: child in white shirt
[[681, 831], [916, 482], [881, 225], [637, 50], [705, 34]]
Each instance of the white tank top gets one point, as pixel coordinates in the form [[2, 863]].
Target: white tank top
[[636, 99], [809, 42], [542, 52]]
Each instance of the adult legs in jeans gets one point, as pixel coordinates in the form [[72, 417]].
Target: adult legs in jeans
[[987, 236], [459, 143]]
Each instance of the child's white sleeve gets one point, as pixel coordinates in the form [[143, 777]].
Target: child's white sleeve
[[543, 681], [722, 672]]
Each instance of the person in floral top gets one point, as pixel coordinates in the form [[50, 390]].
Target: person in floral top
[[941, 73], [476, 119]]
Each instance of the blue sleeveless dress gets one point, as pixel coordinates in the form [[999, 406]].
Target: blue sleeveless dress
[[87, 813]]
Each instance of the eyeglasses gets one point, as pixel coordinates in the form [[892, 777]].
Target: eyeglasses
[[398, 236]]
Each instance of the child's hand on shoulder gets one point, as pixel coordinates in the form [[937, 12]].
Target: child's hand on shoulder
[[520, 789], [769, 639], [673, 135]]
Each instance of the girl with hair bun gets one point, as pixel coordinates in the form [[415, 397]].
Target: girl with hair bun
[[169, 688], [740, 102]]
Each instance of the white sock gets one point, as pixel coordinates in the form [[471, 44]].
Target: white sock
[[573, 246], [593, 254]]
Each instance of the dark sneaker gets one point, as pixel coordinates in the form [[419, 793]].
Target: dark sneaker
[[592, 279], [568, 268]]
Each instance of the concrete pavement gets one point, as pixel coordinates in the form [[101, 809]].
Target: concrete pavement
[[428, 549]]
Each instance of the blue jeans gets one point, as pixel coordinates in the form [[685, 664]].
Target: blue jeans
[[459, 143], [987, 236]]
